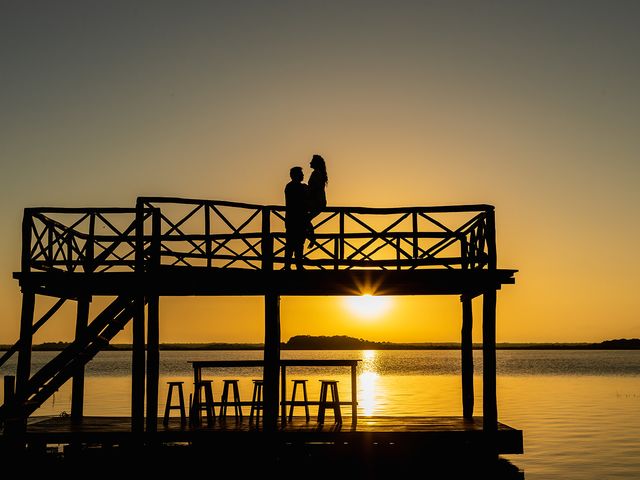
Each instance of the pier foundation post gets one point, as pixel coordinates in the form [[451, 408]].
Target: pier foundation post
[[137, 367], [153, 361], [466, 349], [489, 397], [77, 385], [271, 360]]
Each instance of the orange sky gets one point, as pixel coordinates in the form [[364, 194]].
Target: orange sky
[[533, 108]]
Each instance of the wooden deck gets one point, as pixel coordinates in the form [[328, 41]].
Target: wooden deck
[[433, 433], [172, 281]]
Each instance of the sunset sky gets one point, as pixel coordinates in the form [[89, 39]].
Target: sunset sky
[[533, 107]]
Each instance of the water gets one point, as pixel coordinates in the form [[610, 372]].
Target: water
[[579, 410]]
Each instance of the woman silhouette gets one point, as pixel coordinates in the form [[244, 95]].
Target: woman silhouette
[[317, 199]]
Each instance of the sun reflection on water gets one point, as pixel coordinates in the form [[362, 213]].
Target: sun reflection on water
[[368, 390]]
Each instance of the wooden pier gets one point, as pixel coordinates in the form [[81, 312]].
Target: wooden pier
[[179, 247], [428, 433]]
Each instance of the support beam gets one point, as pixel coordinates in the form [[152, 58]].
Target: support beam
[[77, 385], [137, 368], [489, 400], [271, 360], [153, 361], [23, 370], [466, 348], [9, 389]]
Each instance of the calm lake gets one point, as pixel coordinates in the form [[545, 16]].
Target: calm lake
[[579, 409]]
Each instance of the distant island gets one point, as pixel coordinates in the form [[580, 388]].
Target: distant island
[[343, 342]]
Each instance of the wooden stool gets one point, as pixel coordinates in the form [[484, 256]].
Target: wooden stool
[[198, 406], [304, 394], [224, 399], [180, 406], [256, 400], [334, 403]]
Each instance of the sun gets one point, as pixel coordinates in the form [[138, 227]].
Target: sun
[[367, 305]]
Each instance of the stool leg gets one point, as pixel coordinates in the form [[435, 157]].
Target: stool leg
[[306, 401], [196, 409], [259, 402], [236, 400], [183, 414], [293, 399], [223, 400], [209, 404], [166, 408], [323, 401], [192, 412], [336, 403], [253, 401]]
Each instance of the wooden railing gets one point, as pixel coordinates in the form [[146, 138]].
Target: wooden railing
[[79, 239], [218, 234]]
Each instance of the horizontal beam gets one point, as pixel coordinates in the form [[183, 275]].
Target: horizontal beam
[[359, 210], [176, 281], [80, 210]]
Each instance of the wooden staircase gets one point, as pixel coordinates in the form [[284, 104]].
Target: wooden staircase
[[63, 366]]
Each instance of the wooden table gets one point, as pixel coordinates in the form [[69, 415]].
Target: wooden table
[[198, 365]]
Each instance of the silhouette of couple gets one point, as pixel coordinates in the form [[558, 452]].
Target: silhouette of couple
[[303, 202]]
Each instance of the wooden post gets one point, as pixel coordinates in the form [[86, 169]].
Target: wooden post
[[267, 243], [23, 369], [153, 361], [153, 328], [9, 388], [489, 401], [25, 258], [341, 237], [77, 385], [6, 409], [490, 234], [207, 233], [89, 249], [138, 353], [137, 367], [271, 360], [466, 348], [464, 253], [414, 227]]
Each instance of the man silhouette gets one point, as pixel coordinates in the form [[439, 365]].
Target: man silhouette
[[296, 219]]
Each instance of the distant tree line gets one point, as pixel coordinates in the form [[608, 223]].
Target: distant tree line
[[336, 342], [344, 342]]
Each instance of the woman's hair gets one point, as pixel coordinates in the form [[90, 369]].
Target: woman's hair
[[317, 163]]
